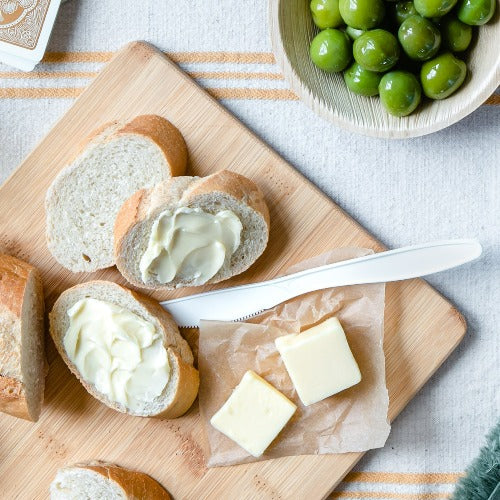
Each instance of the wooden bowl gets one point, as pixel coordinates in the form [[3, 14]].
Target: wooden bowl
[[292, 30]]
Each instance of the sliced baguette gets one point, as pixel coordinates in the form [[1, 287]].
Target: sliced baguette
[[224, 190], [22, 358], [104, 481], [82, 202], [182, 387]]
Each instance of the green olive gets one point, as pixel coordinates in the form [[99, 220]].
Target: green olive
[[331, 50], [353, 32], [362, 14], [434, 8], [376, 50], [402, 11], [362, 81], [419, 38], [442, 76], [326, 13], [400, 92], [476, 12], [456, 34]]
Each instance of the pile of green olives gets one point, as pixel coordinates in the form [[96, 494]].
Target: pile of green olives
[[401, 49]]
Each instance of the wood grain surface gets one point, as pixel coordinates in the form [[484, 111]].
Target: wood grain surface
[[421, 327], [292, 29]]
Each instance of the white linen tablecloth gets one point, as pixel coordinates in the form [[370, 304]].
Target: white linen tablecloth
[[445, 185]]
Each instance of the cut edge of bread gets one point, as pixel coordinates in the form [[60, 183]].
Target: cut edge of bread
[[224, 190], [22, 355], [98, 479], [81, 240], [182, 387]]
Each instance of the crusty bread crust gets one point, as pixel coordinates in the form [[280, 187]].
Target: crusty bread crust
[[181, 191], [15, 275], [13, 398], [165, 135], [179, 353], [156, 128], [235, 185], [186, 390], [135, 485]]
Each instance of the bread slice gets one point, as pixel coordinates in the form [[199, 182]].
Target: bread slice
[[104, 481], [224, 190], [182, 387], [22, 358], [82, 202]]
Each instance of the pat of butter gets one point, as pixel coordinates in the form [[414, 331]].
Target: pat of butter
[[319, 361], [190, 244], [254, 414], [117, 351]]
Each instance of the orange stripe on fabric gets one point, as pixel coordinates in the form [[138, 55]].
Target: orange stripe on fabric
[[20, 93], [218, 93], [19, 75], [402, 477], [389, 495], [234, 75], [234, 93], [77, 57], [209, 75], [264, 94], [179, 57]]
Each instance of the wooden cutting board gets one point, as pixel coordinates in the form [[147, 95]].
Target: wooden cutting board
[[421, 327]]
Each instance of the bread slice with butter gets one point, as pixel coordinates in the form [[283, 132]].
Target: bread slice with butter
[[125, 349], [189, 231], [22, 357], [82, 202], [101, 480]]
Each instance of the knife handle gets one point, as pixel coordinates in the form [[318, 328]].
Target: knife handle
[[393, 265]]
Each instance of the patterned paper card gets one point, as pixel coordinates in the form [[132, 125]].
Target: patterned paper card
[[21, 21], [25, 27]]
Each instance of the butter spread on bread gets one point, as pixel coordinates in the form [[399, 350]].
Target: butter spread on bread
[[191, 244], [118, 352], [225, 199], [130, 322], [319, 361], [254, 414]]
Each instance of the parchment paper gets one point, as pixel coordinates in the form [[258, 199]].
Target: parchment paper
[[353, 420]]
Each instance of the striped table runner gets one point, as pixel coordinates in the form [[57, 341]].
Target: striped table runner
[[225, 75], [396, 485]]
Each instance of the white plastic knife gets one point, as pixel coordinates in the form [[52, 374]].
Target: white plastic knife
[[241, 302]]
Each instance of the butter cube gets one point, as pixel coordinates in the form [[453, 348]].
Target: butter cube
[[254, 414], [319, 361]]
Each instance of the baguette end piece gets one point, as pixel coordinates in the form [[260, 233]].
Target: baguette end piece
[[22, 356]]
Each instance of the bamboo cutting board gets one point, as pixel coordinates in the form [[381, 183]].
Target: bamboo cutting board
[[421, 327]]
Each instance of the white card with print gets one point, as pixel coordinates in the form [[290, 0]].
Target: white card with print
[[25, 28]]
